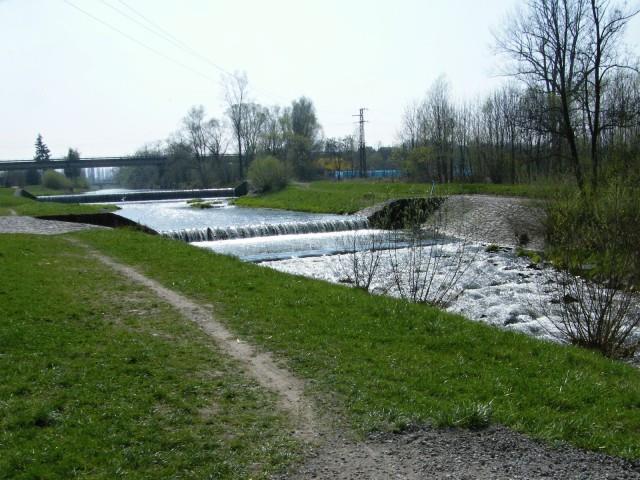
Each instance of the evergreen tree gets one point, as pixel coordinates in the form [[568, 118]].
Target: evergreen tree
[[43, 154]]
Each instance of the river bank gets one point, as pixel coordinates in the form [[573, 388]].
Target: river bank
[[368, 363]]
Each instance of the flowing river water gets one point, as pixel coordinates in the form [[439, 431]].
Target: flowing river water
[[496, 287]]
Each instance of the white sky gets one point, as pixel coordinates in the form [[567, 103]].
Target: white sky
[[83, 85]]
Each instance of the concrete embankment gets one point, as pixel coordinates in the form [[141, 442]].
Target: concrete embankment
[[106, 219], [141, 196], [401, 212]]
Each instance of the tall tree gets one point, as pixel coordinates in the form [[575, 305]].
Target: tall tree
[[566, 49], [218, 143], [254, 125], [43, 154], [276, 131], [207, 141], [545, 44], [304, 134], [606, 25], [73, 172], [196, 133], [236, 97]]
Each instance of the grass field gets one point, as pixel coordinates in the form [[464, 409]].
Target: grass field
[[386, 364], [38, 190], [99, 379], [24, 206], [351, 196]]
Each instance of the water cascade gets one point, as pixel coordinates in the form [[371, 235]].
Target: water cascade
[[266, 230]]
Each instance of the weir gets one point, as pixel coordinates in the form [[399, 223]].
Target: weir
[[266, 230], [150, 195]]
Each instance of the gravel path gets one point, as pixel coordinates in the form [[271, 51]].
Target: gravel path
[[493, 453], [20, 224]]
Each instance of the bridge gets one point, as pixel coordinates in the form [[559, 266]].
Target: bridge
[[91, 162]]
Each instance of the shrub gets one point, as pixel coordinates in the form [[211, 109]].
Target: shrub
[[80, 183], [55, 181], [594, 239], [267, 174]]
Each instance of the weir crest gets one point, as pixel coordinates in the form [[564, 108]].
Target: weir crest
[[266, 230]]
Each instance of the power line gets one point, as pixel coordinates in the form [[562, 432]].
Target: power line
[[138, 42], [162, 33], [167, 36], [187, 48], [152, 23]]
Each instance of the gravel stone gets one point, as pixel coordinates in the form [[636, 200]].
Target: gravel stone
[[21, 224]]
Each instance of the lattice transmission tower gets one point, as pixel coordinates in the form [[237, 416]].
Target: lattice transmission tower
[[362, 150]]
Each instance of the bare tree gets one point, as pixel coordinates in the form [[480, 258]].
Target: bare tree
[[217, 145], [362, 264], [254, 123], [275, 131], [601, 315], [566, 49], [602, 58], [410, 125], [197, 138], [441, 119], [545, 42], [236, 95], [426, 265]]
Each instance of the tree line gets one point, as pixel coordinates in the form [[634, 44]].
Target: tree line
[[206, 151], [572, 106]]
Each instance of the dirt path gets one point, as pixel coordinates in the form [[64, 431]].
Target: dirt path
[[493, 453], [259, 365]]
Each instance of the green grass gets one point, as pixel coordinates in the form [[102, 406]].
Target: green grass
[[26, 206], [351, 196], [386, 364], [38, 190], [99, 379]]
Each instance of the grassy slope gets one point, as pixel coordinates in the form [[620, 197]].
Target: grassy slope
[[351, 196], [388, 363], [42, 190], [25, 206], [98, 379]]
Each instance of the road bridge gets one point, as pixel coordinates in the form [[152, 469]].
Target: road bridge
[[91, 162]]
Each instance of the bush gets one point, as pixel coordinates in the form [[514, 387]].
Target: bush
[[55, 181], [80, 183], [420, 164], [267, 174], [32, 177], [594, 239]]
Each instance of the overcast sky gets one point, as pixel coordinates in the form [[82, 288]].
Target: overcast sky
[[98, 81]]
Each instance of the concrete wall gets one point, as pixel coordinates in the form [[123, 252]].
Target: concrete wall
[[402, 213]]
